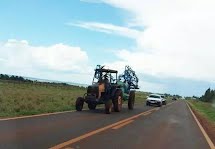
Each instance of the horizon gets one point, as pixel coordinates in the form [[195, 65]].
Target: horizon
[[85, 85]]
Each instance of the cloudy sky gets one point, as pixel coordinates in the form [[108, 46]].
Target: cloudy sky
[[169, 43]]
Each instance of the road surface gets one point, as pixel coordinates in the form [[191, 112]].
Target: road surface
[[169, 127]]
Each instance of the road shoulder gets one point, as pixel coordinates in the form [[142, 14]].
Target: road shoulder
[[207, 128]]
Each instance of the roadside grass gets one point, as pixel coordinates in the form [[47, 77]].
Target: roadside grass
[[206, 109], [140, 97], [23, 98]]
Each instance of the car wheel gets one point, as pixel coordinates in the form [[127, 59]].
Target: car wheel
[[159, 104]]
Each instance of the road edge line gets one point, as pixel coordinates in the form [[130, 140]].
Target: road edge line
[[40, 115], [207, 138], [36, 115]]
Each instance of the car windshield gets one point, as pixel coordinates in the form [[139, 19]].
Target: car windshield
[[154, 96], [162, 96]]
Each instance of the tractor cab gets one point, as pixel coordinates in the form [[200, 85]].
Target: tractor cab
[[103, 82], [104, 75]]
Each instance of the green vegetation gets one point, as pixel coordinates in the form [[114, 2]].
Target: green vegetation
[[14, 78], [205, 105], [206, 109], [25, 98], [140, 97], [19, 98], [209, 96]]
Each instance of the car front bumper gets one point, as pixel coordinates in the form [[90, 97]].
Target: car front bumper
[[153, 101]]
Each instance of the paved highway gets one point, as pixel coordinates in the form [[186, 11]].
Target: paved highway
[[169, 127]]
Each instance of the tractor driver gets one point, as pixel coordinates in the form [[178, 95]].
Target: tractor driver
[[107, 84], [106, 78]]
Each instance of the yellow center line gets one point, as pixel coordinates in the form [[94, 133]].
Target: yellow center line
[[157, 109], [171, 103], [123, 124], [147, 113], [84, 136]]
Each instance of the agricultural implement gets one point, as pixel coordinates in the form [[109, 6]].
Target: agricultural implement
[[109, 89]]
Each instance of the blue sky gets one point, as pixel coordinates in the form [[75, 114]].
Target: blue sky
[[48, 39], [44, 23]]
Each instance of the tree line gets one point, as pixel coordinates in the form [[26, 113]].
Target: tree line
[[22, 79], [14, 78], [209, 96]]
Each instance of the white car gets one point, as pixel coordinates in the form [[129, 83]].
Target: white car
[[155, 99]]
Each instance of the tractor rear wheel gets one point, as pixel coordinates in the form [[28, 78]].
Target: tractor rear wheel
[[79, 103], [91, 106], [131, 100], [117, 102], [108, 107]]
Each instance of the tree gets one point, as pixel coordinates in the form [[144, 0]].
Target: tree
[[209, 96]]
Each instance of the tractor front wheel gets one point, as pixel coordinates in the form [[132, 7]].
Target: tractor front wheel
[[117, 102], [131, 100], [79, 103], [108, 107], [91, 106]]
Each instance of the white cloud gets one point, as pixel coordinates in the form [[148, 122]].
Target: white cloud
[[107, 28], [152, 87], [178, 39], [21, 58], [61, 57]]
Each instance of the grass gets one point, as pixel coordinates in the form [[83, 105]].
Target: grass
[[206, 109], [20, 98], [25, 98], [140, 97]]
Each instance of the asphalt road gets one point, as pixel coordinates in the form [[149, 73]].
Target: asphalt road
[[169, 127]]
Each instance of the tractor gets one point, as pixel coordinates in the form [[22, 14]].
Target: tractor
[[109, 89]]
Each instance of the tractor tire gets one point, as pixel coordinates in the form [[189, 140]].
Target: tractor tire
[[117, 101], [79, 103], [91, 106], [131, 100], [108, 107]]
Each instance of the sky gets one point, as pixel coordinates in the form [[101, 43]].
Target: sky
[[169, 43]]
